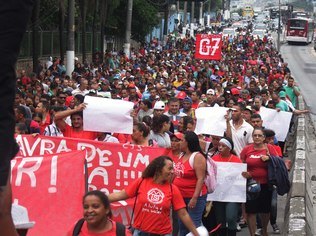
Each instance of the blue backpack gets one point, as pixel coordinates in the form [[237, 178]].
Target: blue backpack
[[278, 175]]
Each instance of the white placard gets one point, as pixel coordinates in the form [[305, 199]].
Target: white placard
[[231, 185], [108, 115], [279, 122], [210, 120]]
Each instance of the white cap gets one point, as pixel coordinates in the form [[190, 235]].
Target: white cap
[[165, 74], [20, 217], [210, 91], [159, 105], [201, 230]]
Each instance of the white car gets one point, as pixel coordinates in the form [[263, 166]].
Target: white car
[[228, 32], [258, 33], [261, 26]]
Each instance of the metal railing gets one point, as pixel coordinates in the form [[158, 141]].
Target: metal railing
[[49, 44]]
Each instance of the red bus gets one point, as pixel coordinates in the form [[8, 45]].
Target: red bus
[[300, 30]]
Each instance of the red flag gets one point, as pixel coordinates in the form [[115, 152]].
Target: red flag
[[208, 47]]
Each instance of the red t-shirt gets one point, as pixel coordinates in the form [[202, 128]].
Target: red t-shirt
[[69, 132], [278, 150], [152, 209], [185, 179], [196, 105], [85, 231], [46, 123], [218, 157], [257, 168]]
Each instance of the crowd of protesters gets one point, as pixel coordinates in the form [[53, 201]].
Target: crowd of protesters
[[167, 84]]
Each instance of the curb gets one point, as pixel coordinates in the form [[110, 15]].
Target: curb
[[295, 221]]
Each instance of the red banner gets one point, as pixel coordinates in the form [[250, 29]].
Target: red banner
[[51, 188], [208, 47], [111, 166]]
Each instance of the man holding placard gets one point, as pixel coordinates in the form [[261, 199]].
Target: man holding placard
[[76, 128]]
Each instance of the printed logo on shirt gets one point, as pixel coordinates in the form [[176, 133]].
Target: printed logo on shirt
[[155, 196], [255, 156], [178, 169]]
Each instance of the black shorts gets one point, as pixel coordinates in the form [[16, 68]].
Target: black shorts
[[263, 203]]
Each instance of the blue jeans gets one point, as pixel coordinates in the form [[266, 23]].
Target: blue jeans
[[196, 214], [226, 212], [137, 232]]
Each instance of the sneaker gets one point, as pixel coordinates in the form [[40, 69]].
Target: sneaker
[[258, 232], [238, 227], [242, 223], [276, 229]]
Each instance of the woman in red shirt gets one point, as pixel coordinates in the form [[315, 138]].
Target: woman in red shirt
[[97, 217], [256, 156], [155, 196], [226, 212], [190, 172]]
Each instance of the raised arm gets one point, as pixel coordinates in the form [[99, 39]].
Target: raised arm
[[60, 116]]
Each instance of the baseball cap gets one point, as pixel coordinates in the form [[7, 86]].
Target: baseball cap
[[210, 91], [187, 99], [105, 82], [235, 91], [178, 135], [282, 94], [20, 217], [159, 105], [181, 95], [248, 108]]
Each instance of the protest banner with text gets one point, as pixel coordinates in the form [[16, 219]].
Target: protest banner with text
[[111, 167], [50, 187]]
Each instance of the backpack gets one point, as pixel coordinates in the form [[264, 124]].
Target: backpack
[[211, 172], [278, 175], [120, 228]]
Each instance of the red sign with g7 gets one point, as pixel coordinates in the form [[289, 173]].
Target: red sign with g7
[[208, 47]]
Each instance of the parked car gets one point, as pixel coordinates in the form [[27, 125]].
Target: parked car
[[258, 33], [228, 31], [261, 26]]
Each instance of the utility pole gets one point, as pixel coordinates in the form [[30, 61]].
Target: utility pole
[[192, 13], [279, 27], [166, 18], [201, 17], [71, 38], [185, 9], [209, 12], [127, 44]]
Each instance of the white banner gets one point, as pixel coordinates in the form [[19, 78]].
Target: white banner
[[107, 115], [231, 186], [279, 122], [210, 120]]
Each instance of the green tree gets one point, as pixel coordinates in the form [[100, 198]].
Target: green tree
[[144, 19]]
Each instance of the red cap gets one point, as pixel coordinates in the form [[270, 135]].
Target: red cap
[[181, 95], [235, 91], [178, 135]]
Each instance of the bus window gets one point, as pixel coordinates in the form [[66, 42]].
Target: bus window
[[297, 24]]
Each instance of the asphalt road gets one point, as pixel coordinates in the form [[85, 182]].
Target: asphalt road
[[302, 62]]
